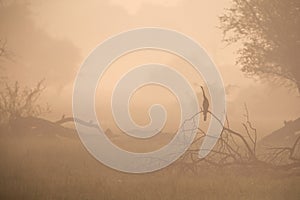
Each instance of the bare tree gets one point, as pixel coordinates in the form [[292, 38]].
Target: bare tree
[[16, 101], [235, 148]]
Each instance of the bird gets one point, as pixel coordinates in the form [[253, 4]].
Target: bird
[[205, 104]]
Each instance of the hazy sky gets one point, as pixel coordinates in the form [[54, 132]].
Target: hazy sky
[[50, 39]]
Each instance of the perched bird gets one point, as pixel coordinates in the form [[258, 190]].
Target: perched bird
[[205, 104]]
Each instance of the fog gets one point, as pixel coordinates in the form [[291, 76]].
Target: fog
[[50, 40]]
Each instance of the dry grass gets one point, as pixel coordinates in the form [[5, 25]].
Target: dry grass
[[53, 168]]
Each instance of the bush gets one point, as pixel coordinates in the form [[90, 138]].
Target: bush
[[16, 101]]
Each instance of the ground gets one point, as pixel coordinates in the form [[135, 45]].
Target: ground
[[51, 167]]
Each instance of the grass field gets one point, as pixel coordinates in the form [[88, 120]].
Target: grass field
[[55, 168]]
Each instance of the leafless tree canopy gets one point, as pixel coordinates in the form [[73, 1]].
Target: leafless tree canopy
[[240, 149], [16, 101]]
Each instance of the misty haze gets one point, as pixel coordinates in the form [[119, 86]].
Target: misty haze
[[255, 46]]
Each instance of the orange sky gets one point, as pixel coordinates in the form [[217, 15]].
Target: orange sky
[[50, 39]]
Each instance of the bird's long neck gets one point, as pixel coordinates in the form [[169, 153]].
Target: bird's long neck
[[203, 93]]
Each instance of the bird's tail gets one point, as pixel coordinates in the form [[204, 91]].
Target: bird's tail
[[205, 116]]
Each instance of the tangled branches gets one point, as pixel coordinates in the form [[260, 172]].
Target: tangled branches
[[20, 102], [240, 148]]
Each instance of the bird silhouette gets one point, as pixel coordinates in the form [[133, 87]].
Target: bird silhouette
[[205, 104]]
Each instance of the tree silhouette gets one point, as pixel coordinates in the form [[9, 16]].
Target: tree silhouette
[[269, 33], [16, 101]]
